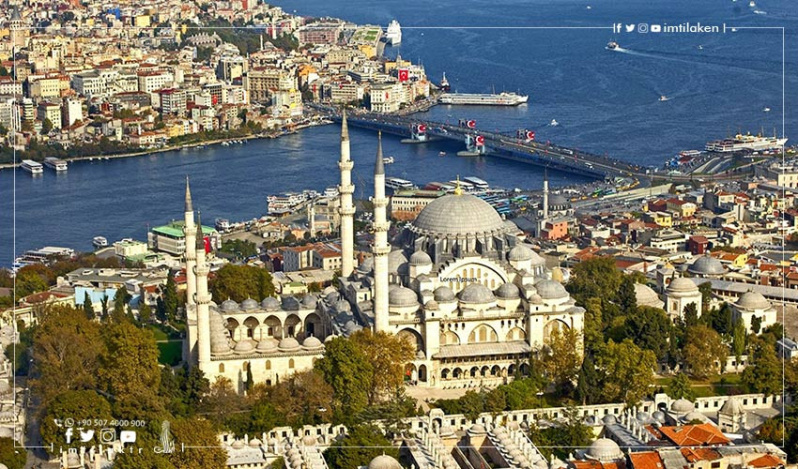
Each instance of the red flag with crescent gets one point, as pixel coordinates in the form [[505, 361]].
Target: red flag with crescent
[[404, 75], [422, 128], [472, 124], [207, 241], [530, 135], [479, 140]]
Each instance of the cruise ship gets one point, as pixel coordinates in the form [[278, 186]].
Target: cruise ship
[[283, 204], [746, 142], [394, 34], [501, 99], [398, 184], [55, 163], [32, 167]]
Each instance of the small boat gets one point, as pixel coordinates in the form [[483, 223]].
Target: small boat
[[442, 153], [554, 123], [766, 109], [663, 98], [225, 143], [700, 47], [752, 4], [388, 160], [589, 7], [445, 83], [55, 163], [32, 167], [99, 242], [612, 45]]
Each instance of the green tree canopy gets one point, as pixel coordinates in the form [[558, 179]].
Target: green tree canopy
[[362, 444], [78, 405], [347, 369], [594, 278], [649, 328], [628, 371], [239, 282], [11, 454], [703, 350]]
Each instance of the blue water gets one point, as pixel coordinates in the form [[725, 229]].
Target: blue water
[[605, 102]]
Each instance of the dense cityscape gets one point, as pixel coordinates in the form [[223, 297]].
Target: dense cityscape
[[643, 320]]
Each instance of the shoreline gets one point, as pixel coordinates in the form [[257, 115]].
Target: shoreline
[[155, 151]]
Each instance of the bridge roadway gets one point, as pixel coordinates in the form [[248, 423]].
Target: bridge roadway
[[504, 145]]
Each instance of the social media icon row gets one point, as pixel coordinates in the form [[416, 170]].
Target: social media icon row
[[106, 435], [644, 28]]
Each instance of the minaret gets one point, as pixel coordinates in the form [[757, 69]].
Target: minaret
[[381, 247], [347, 210], [203, 299], [546, 194], [190, 256]]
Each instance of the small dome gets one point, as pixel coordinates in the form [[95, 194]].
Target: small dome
[[551, 290], [309, 302], [507, 290], [351, 326], [402, 296], [229, 306], [643, 418], [384, 462], [519, 253], [343, 306], [309, 440], [659, 416], [706, 265], [254, 443], [731, 407], [397, 262], [694, 415], [432, 305], [244, 346], [682, 406], [609, 419], [288, 343], [476, 293], [366, 266], [290, 303], [420, 258], [267, 345], [682, 285], [604, 450], [270, 303], [443, 294], [646, 296], [238, 444], [752, 301], [311, 343], [249, 304]]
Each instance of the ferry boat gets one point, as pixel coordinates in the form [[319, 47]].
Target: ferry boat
[[477, 182], [32, 167], [394, 34], [612, 45], [441, 153], [55, 163], [282, 204], [398, 184], [663, 98], [99, 242], [222, 225], [501, 99], [554, 123], [746, 142], [445, 83]]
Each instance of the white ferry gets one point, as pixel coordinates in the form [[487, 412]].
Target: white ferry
[[746, 142], [398, 184], [55, 163], [394, 34], [32, 167], [477, 182], [501, 99], [99, 242], [282, 204]]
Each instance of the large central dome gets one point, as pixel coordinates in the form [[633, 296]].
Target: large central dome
[[458, 215]]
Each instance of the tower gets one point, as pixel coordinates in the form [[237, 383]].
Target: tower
[[381, 247], [203, 300], [347, 210]]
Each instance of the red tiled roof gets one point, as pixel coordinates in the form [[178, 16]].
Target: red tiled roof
[[767, 460], [700, 454], [646, 460], [694, 435]]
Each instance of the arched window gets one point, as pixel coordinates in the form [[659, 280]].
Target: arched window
[[221, 367], [268, 364], [291, 364]]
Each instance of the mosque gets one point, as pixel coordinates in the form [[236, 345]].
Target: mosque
[[456, 282]]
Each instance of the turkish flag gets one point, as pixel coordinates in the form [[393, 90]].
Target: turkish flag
[[422, 128], [207, 242], [404, 75], [530, 135], [472, 124], [386, 95], [480, 140]]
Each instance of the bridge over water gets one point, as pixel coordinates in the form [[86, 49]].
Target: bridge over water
[[507, 145]]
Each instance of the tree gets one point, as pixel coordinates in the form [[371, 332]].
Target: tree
[[346, 368], [690, 315], [703, 351], [649, 328], [221, 401], [720, 319], [680, 387], [145, 312], [594, 278], [304, 399], [31, 279], [11, 454], [628, 371], [129, 367], [627, 298], [562, 358], [763, 374], [388, 355], [239, 282], [170, 302], [78, 405], [563, 436], [756, 324], [593, 323], [589, 385], [201, 443], [738, 339], [47, 126], [160, 310], [121, 299], [362, 444], [706, 296], [88, 308], [66, 350]]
